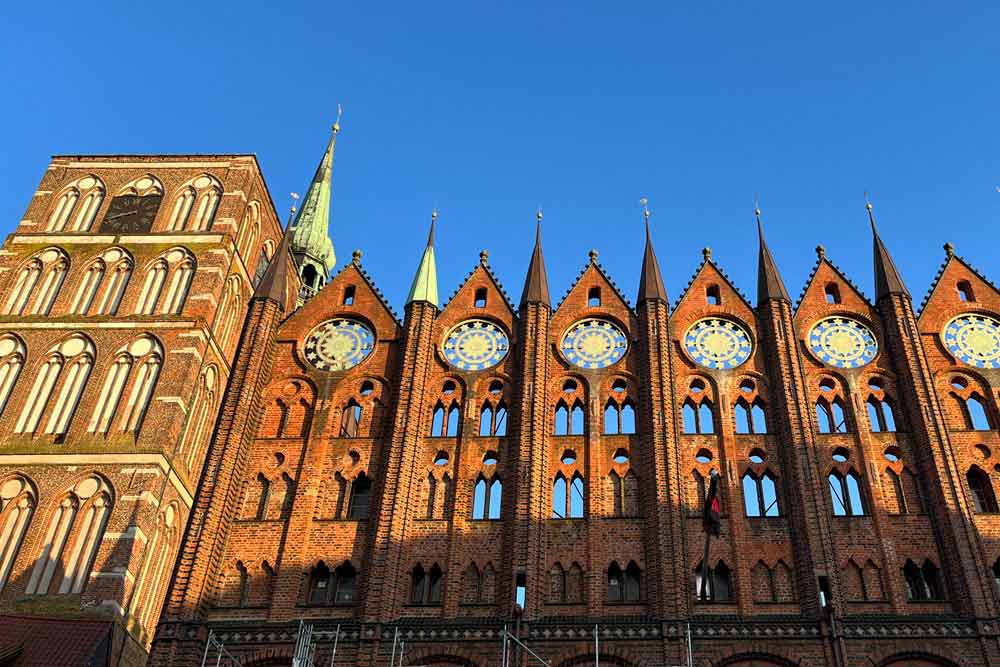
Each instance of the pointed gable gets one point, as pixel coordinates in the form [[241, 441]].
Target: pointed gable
[[705, 276], [480, 278], [826, 274], [958, 288], [591, 277], [350, 293]]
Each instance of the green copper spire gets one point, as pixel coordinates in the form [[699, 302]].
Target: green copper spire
[[311, 244], [425, 283]]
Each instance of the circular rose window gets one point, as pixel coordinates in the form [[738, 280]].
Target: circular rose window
[[594, 343], [974, 339], [842, 342], [717, 343], [475, 345], [339, 344]]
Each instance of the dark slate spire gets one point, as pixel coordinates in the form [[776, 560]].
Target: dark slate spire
[[770, 287], [273, 284], [650, 280], [887, 278], [536, 286]]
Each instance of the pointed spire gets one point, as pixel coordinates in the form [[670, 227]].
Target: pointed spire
[[536, 286], [887, 278], [770, 287], [311, 237], [425, 287], [650, 279], [273, 284]]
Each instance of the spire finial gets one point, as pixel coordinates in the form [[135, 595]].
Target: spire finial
[[434, 219], [336, 123], [356, 256], [820, 252], [706, 254], [644, 203], [538, 214], [871, 213], [295, 199], [756, 208], [484, 256], [949, 250], [593, 255]]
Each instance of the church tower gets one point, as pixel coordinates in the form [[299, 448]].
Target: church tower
[[312, 247]]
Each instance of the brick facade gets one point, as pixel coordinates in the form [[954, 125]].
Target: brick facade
[[809, 583], [392, 501], [145, 471]]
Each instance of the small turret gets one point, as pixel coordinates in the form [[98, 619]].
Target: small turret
[[424, 286], [536, 285], [887, 278], [770, 286], [311, 244]]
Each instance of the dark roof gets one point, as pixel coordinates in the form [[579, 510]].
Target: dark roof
[[29, 641], [536, 285], [770, 287], [274, 283], [650, 279], [887, 278]]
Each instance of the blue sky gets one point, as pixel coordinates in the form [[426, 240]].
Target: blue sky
[[488, 110]]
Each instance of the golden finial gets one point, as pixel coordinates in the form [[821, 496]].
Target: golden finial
[[706, 253], [644, 203], [820, 252], [295, 198], [538, 214], [949, 250], [593, 256], [484, 255], [336, 123], [356, 256]]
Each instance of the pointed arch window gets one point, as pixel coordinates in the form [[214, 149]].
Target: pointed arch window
[[760, 494], [81, 515], [487, 497], [750, 417], [103, 284], [881, 417], [350, 420], [716, 587], [446, 420], [619, 417], [698, 418], [319, 585], [845, 493], [202, 410], [12, 354], [128, 388], [17, 505], [493, 422], [64, 371], [38, 283], [425, 586], [557, 584], [77, 206], [922, 583], [230, 314], [830, 415], [983, 497], [168, 280], [361, 489], [568, 496], [965, 292], [977, 416], [249, 232], [263, 494], [346, 580], [150, 584], [195, 205]]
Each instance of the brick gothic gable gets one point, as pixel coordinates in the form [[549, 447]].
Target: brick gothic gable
[[407, 493]]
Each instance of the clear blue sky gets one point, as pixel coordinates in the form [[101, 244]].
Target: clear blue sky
[[488, 111]]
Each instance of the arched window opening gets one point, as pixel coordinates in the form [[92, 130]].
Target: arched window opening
[[137, 364], [712, 295], [479, 499], [562, 419], [965, 291], [633, 581], [178, 265], [559, 497], [496, 494], [67, 367], [616, 583], [346, 580], [48, 289], [576, 499], [557, 585], [978, 418], [350, 420], [830, 416], [479, 300], [705, 417], [12, 354], [845, 493], [77, 206], [23, 288], [17, 505], [760, 495], [486, 420], [437, 422], [690, 417], [349, 295], [319, 585], [576, 419], [361, 489], [453, 421], [881, 417], [922, 583], [594, 297], [832, 292], [263, 496], [243, 584], [983, 497], [434, 585], [716, 586]]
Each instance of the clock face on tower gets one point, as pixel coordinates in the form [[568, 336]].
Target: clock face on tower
[[594, 343], [337, 345], [475, 345], [131, 214]]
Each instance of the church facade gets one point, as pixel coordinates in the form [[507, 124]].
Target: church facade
[[233, 452]]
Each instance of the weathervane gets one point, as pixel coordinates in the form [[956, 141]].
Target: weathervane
[[336, 123], [644, 203]]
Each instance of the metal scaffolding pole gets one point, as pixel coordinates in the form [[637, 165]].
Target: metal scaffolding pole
[[336, 638]]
